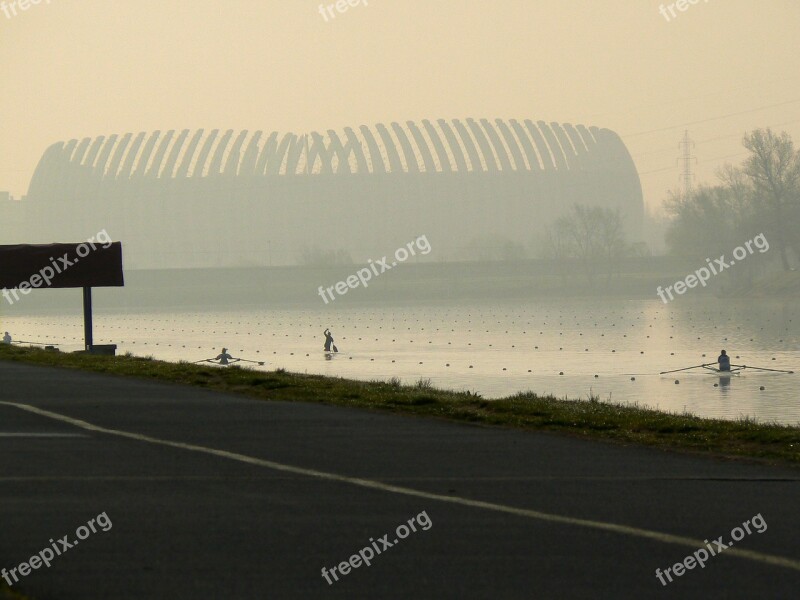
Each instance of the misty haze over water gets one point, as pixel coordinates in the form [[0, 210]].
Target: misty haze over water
[[489, 347]]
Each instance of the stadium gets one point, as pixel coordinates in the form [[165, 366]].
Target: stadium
[[188, 199]]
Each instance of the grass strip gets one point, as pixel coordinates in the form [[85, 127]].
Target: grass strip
[[590, 419], [6, 593]]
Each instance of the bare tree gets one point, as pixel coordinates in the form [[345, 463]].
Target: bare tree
[[773, 167], [703, 223], [611, 238], [590, 234]]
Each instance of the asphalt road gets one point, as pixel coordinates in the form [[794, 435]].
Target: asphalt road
[[216, 496]]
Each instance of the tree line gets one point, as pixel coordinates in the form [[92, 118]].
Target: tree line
[[761, 195]]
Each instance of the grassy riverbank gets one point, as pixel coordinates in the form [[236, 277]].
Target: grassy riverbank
[[591, 419], [7, 593]]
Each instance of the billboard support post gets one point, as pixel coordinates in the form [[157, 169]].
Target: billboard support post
[[87, 318]]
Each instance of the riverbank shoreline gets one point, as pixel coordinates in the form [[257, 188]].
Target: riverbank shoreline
[[744, 438]]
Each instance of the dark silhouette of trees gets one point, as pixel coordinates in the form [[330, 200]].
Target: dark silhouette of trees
[[773, 168], [762, 195], [592, 235]]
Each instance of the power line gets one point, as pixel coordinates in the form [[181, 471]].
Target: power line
[[722, 157], [691, 98], [657, 171], [708, 160], [744, 112], [638, 155]]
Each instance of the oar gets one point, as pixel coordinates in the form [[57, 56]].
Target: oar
[[686, 369], [202, 361], [255, 362], [36, 343], [762, 369]]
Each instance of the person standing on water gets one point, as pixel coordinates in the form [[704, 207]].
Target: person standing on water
[[329, 342], [724, 361], [6, 338]]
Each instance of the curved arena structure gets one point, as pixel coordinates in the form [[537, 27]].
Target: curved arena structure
[[225, 198]]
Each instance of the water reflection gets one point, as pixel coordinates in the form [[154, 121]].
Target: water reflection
[[614, 349]]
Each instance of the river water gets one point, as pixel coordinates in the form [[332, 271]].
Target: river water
[[612, 349]]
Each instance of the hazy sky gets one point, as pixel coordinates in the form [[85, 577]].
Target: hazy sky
[[78, 68]]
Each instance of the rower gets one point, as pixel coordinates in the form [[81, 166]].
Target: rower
[[724, 361], [224, 357], [6, 338], [329, 341]]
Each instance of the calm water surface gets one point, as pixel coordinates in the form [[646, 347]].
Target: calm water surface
[[614, 349]]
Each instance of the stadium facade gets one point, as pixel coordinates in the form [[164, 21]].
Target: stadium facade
[[214, 199]]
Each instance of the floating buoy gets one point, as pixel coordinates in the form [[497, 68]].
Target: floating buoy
[[761, 388], [633, 378], [561, 372], [677, 382]]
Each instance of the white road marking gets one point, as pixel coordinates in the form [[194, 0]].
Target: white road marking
[[665, 538], [137, 478], [42, 435]]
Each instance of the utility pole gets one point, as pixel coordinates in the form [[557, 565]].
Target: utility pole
[[687, 177]]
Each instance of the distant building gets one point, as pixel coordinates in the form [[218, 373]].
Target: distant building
[[209, 199], [13, 219]]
